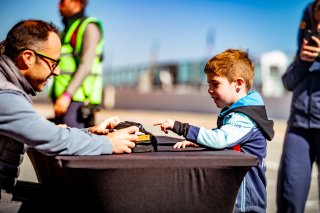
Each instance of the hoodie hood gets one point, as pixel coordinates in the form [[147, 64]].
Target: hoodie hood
[[12, 79], [253, 106]]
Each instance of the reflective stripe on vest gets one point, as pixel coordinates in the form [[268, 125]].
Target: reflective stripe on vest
[[91, 88]]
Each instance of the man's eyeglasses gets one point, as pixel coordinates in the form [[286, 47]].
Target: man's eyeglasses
[[53, 66]]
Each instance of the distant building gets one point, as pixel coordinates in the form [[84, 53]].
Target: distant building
[[188, 76], [272, 67], [269, 68]]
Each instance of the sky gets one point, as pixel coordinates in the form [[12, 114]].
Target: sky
[[141, 31]]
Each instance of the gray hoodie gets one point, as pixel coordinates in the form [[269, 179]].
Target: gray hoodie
[[20, 122]]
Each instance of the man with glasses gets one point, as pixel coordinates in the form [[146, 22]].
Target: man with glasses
[[29, 57], [78, 89], [55, 62]]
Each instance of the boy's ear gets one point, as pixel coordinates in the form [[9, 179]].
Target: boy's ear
[[240, 83]]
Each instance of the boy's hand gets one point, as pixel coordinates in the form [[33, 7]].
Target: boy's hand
[[184, 144], [103, 127], [123, 140], [167, 124]]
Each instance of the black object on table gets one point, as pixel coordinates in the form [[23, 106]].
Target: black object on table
[[169, 180], [146, 142]]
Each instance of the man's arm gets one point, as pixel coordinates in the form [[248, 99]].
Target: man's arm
[[19, 121], [91, 39]]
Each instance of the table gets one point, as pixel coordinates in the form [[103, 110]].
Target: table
[[169, 180]]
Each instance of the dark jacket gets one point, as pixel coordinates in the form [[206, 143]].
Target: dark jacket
[[306, 23], [253, 127], [302, 78]]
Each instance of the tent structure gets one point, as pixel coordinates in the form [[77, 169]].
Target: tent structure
[[273, 65]]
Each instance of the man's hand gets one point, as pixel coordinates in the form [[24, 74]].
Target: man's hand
[[309, 53], [61, 105], [123, 140], [165, 125], [104, 127]]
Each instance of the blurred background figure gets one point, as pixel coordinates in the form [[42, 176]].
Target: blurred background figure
[[77, 92], [301, 144]]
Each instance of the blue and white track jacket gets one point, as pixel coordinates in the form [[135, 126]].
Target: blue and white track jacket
[[246, 124]]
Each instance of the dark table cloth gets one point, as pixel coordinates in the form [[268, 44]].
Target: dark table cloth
[[169, 180]]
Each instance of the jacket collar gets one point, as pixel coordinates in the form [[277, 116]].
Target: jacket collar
[[13, 79]]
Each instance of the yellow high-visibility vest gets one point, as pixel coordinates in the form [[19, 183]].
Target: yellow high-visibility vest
[[91, 88]]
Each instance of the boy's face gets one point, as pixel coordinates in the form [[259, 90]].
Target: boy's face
[[221, 90]]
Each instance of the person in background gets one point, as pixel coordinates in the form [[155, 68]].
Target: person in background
[[29, 57], [243, 124], [77, 91], [301, 146]]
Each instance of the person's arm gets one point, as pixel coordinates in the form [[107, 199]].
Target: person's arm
[[305, 24], [305, 57], [103, 128], [181, 128], [91, 39], [231, 133], [19, 121], [295, 73]]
